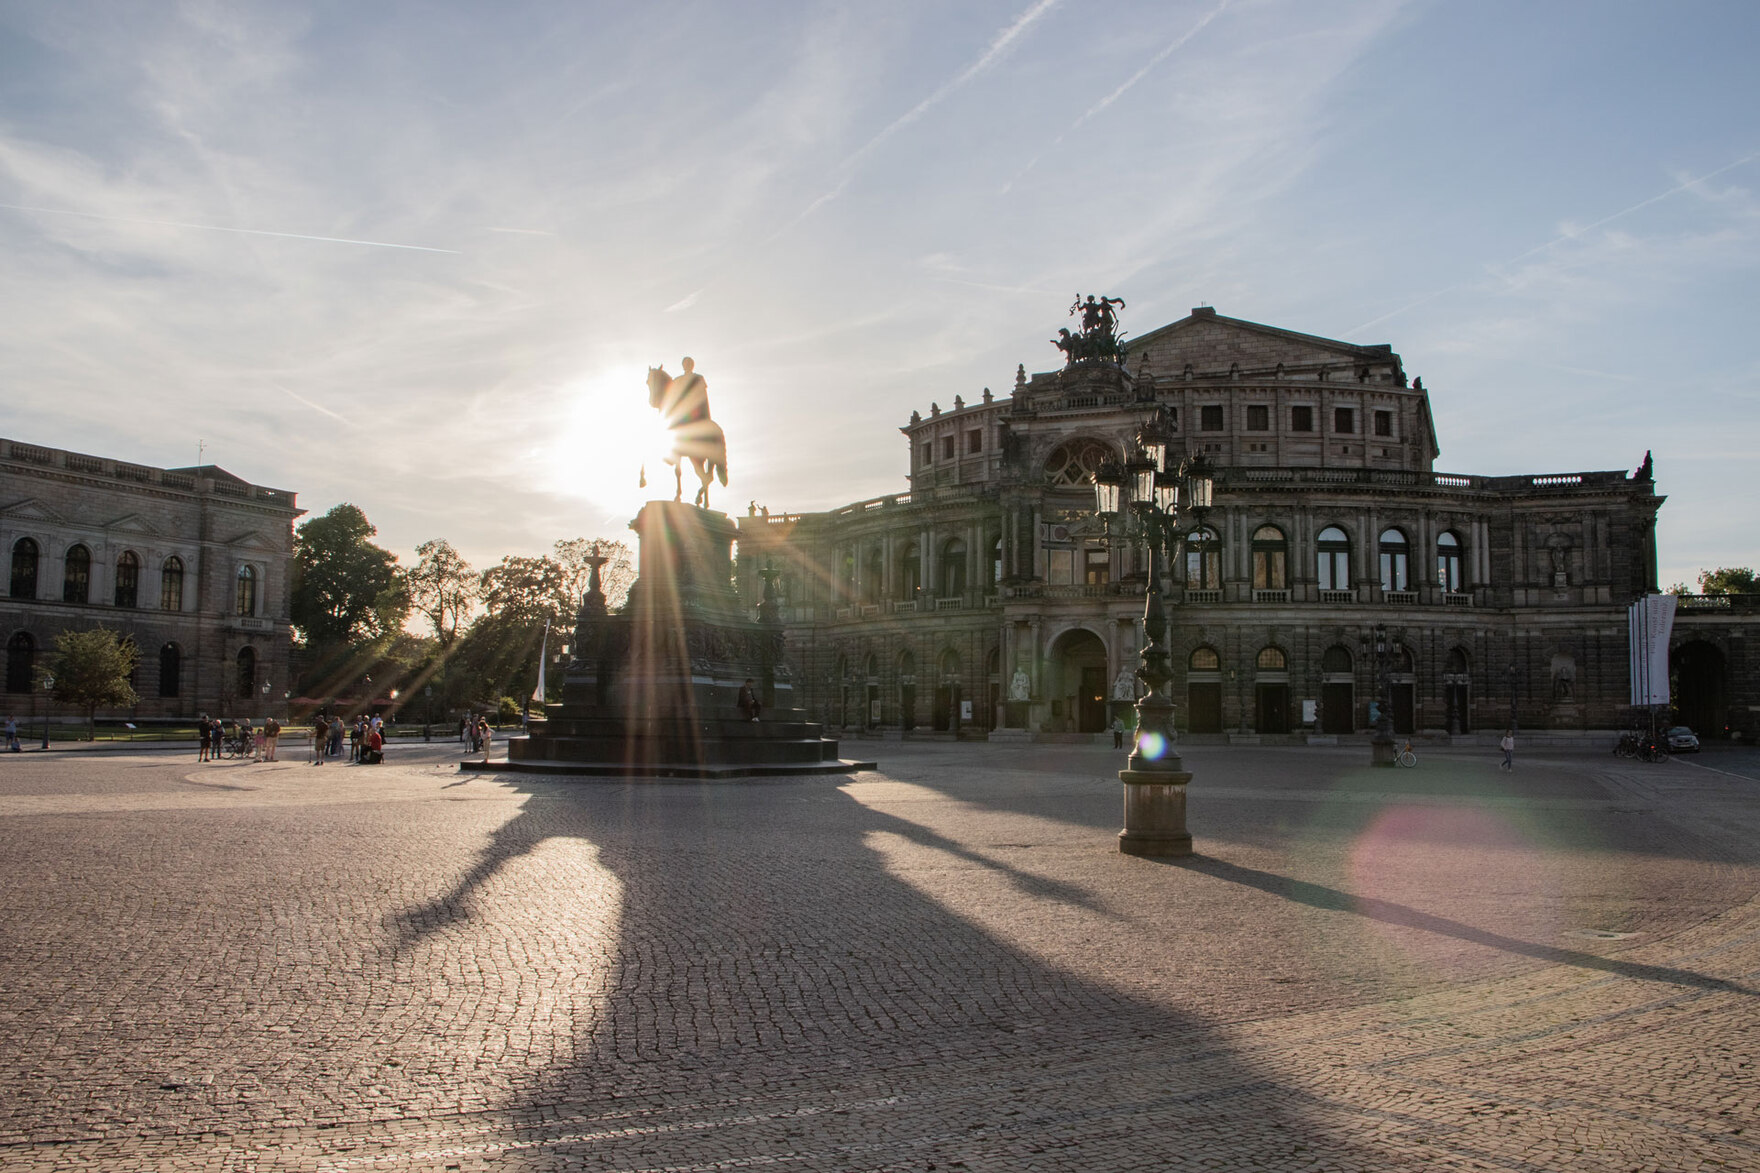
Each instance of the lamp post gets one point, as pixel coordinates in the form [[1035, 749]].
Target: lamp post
[[1512, 698], [48, 697], [1381, 752], [428, 725], [1139, 501]]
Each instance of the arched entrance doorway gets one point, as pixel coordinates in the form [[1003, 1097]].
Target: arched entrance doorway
[[1458, 681], [1078, 692], [1403, 684], [1271, 691], [1204, 691], [1699, 687], [947, 692], [907, 691], [1338, 692]]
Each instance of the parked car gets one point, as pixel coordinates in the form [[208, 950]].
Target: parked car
[[1682, 740]]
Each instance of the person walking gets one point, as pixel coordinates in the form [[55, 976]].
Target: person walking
[[206, 732], [335, 735], [12, 745], [271, 738], [1508, 746], [1118, 733], [320, 735]]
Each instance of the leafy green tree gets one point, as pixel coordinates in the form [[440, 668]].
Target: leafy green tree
[[91, 670], [345, 588], [526, 591], [1727, 580], [442, 586]]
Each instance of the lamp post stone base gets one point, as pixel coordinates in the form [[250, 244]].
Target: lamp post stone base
[[1382, 751], [1155, 813]]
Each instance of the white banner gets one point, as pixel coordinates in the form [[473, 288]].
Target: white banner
[[1650, 622]]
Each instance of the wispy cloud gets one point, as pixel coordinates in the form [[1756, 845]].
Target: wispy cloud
[[224, 228], [1124, 87]]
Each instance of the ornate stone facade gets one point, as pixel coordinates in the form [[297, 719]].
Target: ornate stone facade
[[192, 564], [1495, 594]]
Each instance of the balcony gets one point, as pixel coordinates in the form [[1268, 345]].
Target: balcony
[[1338, 596], [1270, 596], [1203, 596], [1457, 599], [1400, 598]]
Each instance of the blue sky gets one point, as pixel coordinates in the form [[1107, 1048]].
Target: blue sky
[[417, 256]]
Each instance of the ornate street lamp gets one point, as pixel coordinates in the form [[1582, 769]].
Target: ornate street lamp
[[1381, 751], [49, 695], [1139, 501]]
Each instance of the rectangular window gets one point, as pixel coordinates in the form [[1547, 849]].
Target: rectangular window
[[947, 447], [929, 454], [1344, 420], [1060, 566], [1384, 423], [1258, 417], [1301, 419], [974, 441], [1210, 417], [1097, 565]]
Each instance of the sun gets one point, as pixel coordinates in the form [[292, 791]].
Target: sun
[[606, 435]]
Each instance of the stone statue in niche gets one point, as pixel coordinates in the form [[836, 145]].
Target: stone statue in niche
[[1124, 686], [1564, 678], [1560, 566], [1020, 687]]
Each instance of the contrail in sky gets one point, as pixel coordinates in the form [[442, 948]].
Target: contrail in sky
[[314, 406], [422, 248], [1004, 41], [1166, 51], [1560, 239]]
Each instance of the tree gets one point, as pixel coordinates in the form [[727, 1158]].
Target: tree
[[441, 586], [91, 670], [1727, 580], [527, 592], [344, 587]]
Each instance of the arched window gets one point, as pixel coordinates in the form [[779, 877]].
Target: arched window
[[1270, 559], [24, 569], [910, 583], [171, 585], [907, 664], [949, 664], [873, 571], [170, 670], [871, 666], [1203, 561], [1457, 662], [247, 673], [1205, 660], [995, 560], [1396, 572], [1074, 463], [1336, 661], [1399, 660], [1335, 559], [247, 590], [1448, 561], [76, 582], [1273, 659], [953, 568], [21, 661], [128, 579]]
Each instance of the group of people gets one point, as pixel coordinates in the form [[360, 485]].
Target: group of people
[[365, 736], [475, 728], [256, 742]]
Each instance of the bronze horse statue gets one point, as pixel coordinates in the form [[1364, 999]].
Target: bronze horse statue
[[684, 404]]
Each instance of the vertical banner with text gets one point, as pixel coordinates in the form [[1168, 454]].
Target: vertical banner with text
[[1650, 622]]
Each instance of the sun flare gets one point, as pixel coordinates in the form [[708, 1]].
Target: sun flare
[[606, 436]]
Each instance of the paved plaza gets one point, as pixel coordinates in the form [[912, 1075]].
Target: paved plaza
[[943, 965]]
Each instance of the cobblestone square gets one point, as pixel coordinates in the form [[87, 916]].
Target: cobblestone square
[[942, 965]]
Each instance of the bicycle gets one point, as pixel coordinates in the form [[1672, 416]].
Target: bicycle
[[1406, 757]]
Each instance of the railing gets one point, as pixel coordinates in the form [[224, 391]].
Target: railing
[[1270, 596], [33, 454], [1457, 599], [1338, 596], [133, 472], [178, 480], [80, 463], [1719, 603], [902, 605], [870, 609], [1400, 598], [844, 613], [1561, 479], [1203, 596], [950, 603]]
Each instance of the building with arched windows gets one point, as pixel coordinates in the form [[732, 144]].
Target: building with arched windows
[[986, 598], [191, 564]]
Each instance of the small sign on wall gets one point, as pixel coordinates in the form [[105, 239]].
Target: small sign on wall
[[1310, 712], [965, 710]]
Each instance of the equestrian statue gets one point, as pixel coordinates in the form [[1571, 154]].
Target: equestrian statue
[[684, 404]]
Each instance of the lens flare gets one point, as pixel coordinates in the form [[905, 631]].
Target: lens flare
[[1151, 746]]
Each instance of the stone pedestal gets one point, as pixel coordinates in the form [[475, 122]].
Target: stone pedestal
[[654, 689]]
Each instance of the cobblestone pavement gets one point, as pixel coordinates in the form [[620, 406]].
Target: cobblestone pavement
[[944, 965]]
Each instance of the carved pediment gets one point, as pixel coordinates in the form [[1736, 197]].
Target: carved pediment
[[31, 509], [250, 540], [133, 523]]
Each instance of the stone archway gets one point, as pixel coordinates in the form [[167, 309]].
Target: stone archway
[[1700, 686], [1077, 689]]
